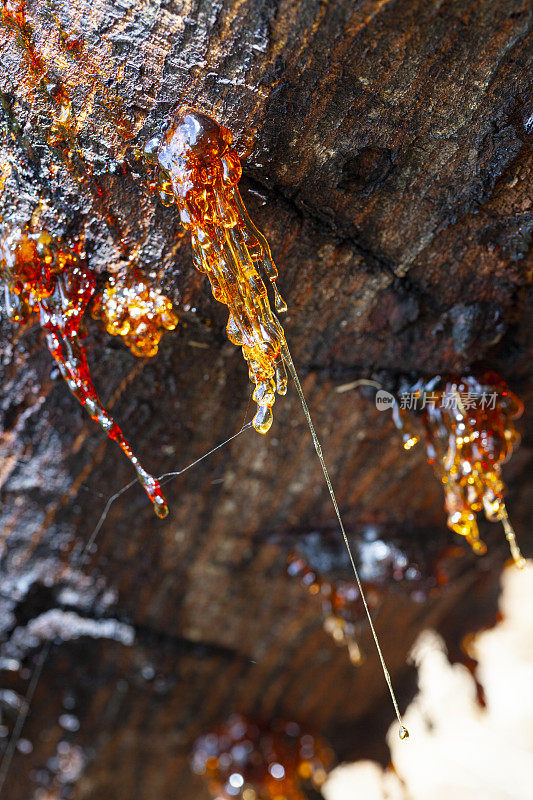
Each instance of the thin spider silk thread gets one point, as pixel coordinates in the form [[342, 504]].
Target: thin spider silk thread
[[403, 732], [76, 562], [347, 387], [23, 713], [163, 479]]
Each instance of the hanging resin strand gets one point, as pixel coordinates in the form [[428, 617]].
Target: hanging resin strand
[[57, 285], [199, 171], [469, 435]]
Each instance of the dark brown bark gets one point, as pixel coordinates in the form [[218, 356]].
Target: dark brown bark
[[389, 165]]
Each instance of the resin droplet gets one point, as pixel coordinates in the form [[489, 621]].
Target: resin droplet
[[403, 733], [43, 279], [470, 434], [130, 307], [518, 558], [200, 169], [263, 419]]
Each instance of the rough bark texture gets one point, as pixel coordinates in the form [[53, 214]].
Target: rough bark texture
[[389, 165]]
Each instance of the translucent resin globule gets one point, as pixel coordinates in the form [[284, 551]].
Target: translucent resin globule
[[199, 171], [469, 434], [56, 284], [244, 760]]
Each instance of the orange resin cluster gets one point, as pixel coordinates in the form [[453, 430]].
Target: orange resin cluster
[[242, 759], [131, 308], [42, 278], [199, 171], [469, 434]]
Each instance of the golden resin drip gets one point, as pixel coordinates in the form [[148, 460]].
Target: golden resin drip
[[403, 732], [130, 307], [470, 434], [199, 170]]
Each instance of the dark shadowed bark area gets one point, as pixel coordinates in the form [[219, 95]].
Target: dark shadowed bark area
[[387, 158]]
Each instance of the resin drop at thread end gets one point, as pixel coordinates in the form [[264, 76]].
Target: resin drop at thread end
[[161, 509], [510, 535], [263, 419], [403, 732], [279, 303], [479, 547]]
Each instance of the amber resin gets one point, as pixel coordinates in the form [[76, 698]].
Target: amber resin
[[244, 759], [130, 307], [469, 434], [41, 278], [199, 171]]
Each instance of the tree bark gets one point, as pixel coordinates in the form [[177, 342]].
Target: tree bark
[[388, 162]]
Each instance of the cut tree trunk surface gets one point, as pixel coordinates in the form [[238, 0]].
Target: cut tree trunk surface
[[388, 161]]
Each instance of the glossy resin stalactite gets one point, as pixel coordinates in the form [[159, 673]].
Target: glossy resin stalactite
[[199, 171], [469, 434], [244, 760], [42, 279]]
